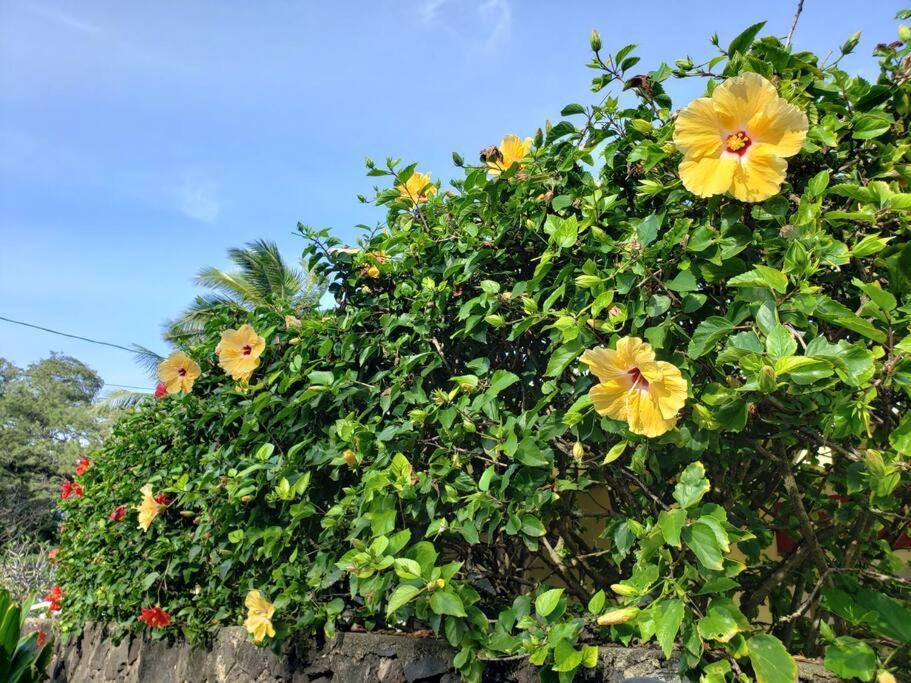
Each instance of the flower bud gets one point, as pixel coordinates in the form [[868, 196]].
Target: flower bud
[[885, 677], [350, 458], [578, 450], [767, 382], [624, 590], [850, 44], [904, 32], [618, 616], [595, 41]]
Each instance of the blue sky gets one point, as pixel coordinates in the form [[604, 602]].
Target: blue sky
[[140, 140]]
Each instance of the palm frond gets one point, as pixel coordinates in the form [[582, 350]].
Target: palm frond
[[147, 359]]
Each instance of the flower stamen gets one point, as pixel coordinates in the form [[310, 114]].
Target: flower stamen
[[639, 381], [738, 143], [247, 349]]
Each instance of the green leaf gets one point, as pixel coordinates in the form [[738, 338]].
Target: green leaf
[[566, 657], [596, 603], [840, 315], [849, 657], [562, 357], [692, 485], [401, 595], [547, 601], [667, 615], [709, 332], [532, 526], [407, 569], [761, 276], [647, 229], [447, 602], [567, 232], [701, 539], [745, 39], [900, 437], [671, 524], [780, 343], [722, 621], [500, 380], [771, 661], [684, 281]]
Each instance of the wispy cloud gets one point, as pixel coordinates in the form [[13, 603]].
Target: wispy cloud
[[198, 196], [483, 24], [427, 10], [63, 18], [498, 15]]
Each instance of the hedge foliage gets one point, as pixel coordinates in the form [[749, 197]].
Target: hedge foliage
[[426, 454]]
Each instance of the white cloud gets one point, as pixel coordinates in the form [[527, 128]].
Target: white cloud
[[498, 15], [63, 18], [483, 24], [428, 9], [198, 196]]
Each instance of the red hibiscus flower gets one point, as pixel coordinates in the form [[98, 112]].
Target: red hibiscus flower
[[82, 465], [154, 617], [163, 499], [161, 390], [52, 555], [118, 513], [69, 489], [54, 598], [42, 638]]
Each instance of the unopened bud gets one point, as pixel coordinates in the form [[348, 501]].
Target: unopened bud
[[624, 590], [595, 40], [618, 616], [578, 450], [350, 458]]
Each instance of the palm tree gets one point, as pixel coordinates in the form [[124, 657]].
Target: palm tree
[[262, 278]]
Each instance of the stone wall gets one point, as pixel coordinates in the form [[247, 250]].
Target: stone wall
[[350, 658]]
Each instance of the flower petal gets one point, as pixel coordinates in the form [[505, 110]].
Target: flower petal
[[698, 130], [759, 174], [708, 176], [610, 399], [781, 126], [667, 387], [603, 363], [738, 99], [645, 418]]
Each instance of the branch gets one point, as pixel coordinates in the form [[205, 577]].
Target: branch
[[794, 23]]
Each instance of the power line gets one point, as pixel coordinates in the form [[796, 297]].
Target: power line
[[71, 336], [127, 386]]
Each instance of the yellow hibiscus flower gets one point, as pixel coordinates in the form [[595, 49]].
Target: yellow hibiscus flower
[[148, 509], [178, 372], [512, 150], [737, 140], [259, 616], [634, 387], [417, 188], [239, 351]]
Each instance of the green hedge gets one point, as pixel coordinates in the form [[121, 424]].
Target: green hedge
[[427, 454]]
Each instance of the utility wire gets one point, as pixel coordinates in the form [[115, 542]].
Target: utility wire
[[64, 334], [127, 386]]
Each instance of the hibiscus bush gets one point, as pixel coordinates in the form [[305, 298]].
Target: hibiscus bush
[[642, 377]]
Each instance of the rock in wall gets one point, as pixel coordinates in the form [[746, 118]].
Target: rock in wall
[[93, 657]]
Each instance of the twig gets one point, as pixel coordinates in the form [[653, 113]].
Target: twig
[[794, 23], [625, 471]]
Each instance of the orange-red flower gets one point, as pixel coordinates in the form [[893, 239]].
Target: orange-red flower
[[52, 555], [118, 513], [161, 390], [154, 617], [69, 489], [42, 638], [54, 598], [82, 465]]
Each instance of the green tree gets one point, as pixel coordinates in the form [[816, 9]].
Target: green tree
[[262, 278], [46, 420]]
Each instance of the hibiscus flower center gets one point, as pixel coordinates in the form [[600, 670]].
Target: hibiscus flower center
[[738, 143], [247, 349], [182, 372], [639, 381]]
